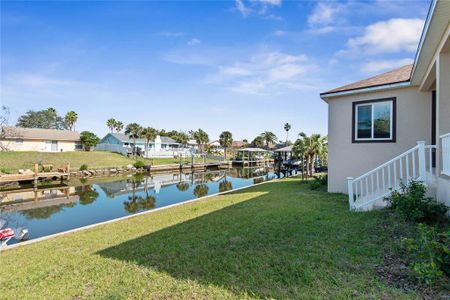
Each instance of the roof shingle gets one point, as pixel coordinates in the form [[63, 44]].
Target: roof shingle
[[40, 134], [402, 74]]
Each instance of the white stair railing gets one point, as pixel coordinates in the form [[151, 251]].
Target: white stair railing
[[380, 182], [445, 142]]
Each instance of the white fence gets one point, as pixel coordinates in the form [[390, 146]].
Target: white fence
[[445, 142], [375, 185]]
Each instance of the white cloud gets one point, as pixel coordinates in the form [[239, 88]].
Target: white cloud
[[171, 34], [263, 72], [377, 66], [240, 6], [259, 7], [193, 42], [40, 81], [235, 71], [279, 33], [324, 14], [271, 2], [389, 36]]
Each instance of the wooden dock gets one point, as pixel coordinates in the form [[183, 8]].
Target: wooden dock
[[36, 176], [201, 166]]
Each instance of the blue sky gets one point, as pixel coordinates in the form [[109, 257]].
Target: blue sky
[[243, 66]]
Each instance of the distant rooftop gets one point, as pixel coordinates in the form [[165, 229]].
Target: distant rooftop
[[40, 134], [125, 138], [402, 74]]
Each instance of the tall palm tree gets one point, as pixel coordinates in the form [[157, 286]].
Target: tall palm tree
[[226, 140], [134, 131], [118, 126], [287, 127], [111, 123], [149, 134], [70, 119], [201, 138], [269, 137], [310, 147]]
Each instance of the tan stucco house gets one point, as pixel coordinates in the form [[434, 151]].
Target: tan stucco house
[[395, 126], [37, 139]]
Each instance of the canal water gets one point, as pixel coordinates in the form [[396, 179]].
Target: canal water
[[82, 202]]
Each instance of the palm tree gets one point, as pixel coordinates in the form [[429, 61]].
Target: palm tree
[[70, 119], [287, 127], [269, 137], [258, 142], [310, 148], [111, 123], [149, 134], [134, 131], [182, 138], [226, 140], [118, 126], [201, 138]]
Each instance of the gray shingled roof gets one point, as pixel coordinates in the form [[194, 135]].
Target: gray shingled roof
[[40, 134]]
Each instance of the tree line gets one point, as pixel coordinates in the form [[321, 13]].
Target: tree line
[[48, 119]]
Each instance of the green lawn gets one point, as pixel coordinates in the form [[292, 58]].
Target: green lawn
[[13, 161], [277, 240]]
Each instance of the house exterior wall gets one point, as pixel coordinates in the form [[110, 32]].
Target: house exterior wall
[[38, 145], [347, 159]]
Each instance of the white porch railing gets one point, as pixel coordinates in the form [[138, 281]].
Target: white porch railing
[[445, 142], [375, 185]]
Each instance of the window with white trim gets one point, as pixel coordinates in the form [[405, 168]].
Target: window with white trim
[[374, 121]]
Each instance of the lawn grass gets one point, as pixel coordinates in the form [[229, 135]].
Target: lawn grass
[[13, 161], [276, 240]]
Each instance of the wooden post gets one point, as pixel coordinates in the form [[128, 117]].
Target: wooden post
[[35, 179], [422, 161], [350, 192], [68, 171]]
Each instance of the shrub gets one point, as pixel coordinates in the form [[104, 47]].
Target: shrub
[[5, 170], [83, 167], [411, 203], [139, 164], [319, 183], [430, 254]]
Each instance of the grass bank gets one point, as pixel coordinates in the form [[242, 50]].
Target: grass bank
[[13, 161], [277, 240]]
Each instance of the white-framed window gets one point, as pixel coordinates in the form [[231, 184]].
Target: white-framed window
[[19, 141], [374, 120]]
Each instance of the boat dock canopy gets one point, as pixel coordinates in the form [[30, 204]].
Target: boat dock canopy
[[285, 149], [252, 150]]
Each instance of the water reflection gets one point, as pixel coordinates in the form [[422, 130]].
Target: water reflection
[[88, 201], [201, 190], [87, 194]]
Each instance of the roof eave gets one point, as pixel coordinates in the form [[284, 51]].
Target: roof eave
[[422, 40], [376, 88]]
